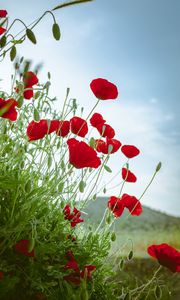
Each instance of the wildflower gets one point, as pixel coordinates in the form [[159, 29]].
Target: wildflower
[[166, 255], [22, 247], [82, 155], [97, 119], [103, 89], [63, 128], [74, 217], [79, 126], [76, 276], [106, 130], [128, 176], [130, 151], [38, 130], [7, 109], [132, 204], [29, 80], [103, 147], [117, 205], [3, 13], [2, 30]]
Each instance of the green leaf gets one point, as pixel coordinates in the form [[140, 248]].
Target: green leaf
[[107, 169], [36, 115], [71, 3], [56, 31], [31, 36], [13, 53]]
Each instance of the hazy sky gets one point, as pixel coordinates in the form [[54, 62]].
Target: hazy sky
[[135, 44]]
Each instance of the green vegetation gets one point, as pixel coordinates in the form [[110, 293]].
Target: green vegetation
[[152, 227]]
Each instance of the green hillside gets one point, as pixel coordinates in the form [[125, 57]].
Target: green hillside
[[151, 227], [149, 219]]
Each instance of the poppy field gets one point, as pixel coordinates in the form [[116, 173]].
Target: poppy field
[[51, 164]]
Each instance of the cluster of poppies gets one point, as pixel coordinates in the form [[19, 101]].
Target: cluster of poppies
[[3, 14], [82, 155], [8, 106], [73, 217], [117, 205]]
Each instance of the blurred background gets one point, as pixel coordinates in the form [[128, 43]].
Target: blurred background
[[136, 45]]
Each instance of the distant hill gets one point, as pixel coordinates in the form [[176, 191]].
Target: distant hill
[[151, 227], [149, 219]]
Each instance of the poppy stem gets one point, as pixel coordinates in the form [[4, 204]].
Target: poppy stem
[[144, 286], [93, 109]]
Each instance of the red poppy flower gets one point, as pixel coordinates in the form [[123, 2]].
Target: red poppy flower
[[3, 13], [1, 275], [106, 130], [73, 278], [96, 120], [37, 130], [72, 264], [128, 176], [2, 30], [166, 255], [132, 204], [88, 269], [116, 206], [74, 217], [79, 126], [22, 247], [29, 80], [76, 276], [103, 147], [103, 89], [28, 94], [63, 128], [82, 155], [130, 151], [7, 109]]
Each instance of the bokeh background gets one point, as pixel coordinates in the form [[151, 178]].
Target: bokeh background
[[136, 45]]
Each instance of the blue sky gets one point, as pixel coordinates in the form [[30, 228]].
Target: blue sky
[[136, 45]]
